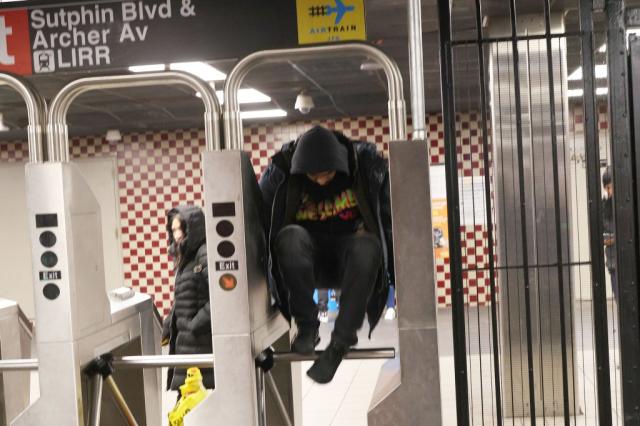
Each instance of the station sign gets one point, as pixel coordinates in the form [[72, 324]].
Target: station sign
[[327, 21], [114, 34]]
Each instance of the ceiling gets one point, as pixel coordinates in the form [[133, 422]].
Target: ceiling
[[338, 86]]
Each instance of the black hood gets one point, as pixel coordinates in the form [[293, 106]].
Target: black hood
[[192, 219], [318, 150]]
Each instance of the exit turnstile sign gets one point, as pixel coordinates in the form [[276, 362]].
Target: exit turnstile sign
[[50, 275], [227, 265]]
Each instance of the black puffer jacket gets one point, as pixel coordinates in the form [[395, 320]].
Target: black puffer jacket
[[282, 194], [189, 323]]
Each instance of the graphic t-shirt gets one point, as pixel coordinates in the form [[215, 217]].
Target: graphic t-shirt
[[329, 209]]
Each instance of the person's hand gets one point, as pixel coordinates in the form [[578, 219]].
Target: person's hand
[[164, 341], [608, 242]]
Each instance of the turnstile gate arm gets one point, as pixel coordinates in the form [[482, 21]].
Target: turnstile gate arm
[[199, 360]]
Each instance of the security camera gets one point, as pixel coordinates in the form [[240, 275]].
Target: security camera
[[304, 103]]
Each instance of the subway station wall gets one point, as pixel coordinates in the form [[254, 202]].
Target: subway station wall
[[156, 171]]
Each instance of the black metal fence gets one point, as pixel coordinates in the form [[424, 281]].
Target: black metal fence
[[557, 339]]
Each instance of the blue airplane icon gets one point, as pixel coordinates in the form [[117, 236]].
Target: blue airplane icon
[[340, 9]]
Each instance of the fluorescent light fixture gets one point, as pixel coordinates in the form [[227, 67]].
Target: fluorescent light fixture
[[199, 69], [265, 113], [600, 71], [147, 68], [574, 93], [245, 96]]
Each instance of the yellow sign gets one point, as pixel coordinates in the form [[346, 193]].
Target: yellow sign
[[322, 21]]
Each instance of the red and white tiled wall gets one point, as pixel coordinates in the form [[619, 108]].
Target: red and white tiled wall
[[159, 170]]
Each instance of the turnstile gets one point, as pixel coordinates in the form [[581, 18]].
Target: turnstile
[[16, 333], [75, 319]]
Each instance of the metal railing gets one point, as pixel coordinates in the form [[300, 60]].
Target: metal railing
[[233, 119], [58, 141], [197, 360], [36, 113]]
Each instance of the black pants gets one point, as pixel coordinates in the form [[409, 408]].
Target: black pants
[[350, 263]]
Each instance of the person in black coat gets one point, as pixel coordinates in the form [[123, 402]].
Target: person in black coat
[[188, 326], [328, 216], [609, 231]]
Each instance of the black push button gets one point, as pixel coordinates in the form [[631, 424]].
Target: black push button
[[224, 228], [48, 239], [49, 259], [51, 291], [226, 249]]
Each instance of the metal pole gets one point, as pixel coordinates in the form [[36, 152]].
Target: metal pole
[[36, 113], [160, 361], [57, 135], [197, 360], [625, 171], [120, 401], [523, 208], [416, 71], [233, 120], [379, 353], [596, 249], [276, 394], [96, 400], [262, 397], [488, 203], [556, 201], [453, 214]]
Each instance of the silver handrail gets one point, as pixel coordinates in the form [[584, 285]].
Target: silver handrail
[[58, 142], [233, 119], [198, 360], [36, 113]]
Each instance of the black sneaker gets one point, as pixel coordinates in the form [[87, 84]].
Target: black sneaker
[[324, 368], [306, 340]]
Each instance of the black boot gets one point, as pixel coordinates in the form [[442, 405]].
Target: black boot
[[323, 370], [307, 338]]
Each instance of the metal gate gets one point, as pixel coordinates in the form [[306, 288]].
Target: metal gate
[[533, 94]]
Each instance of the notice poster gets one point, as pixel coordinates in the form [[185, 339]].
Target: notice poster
[[439, 221], [471, 193]]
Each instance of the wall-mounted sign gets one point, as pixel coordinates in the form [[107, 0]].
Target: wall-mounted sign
[[45, 38], [322, 21]]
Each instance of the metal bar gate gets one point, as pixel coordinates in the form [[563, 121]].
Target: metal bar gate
[[544, 313]]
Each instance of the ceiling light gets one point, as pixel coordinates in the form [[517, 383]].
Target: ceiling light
[[304, 102], [3, 128], [147, 68], [113, 136], [199, 69], [371, 66], [574, 93], [246, 96], [265, 113], [600, 71]]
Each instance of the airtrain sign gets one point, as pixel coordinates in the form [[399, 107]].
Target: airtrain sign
[[83, 35]]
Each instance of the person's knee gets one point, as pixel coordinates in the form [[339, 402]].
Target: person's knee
[[291, 240], [366, 250]]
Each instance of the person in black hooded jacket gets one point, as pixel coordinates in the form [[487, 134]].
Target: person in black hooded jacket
[[188, 326], [329, 225]]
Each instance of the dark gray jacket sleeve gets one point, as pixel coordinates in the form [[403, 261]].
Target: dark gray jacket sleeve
[[385, 217], [202, 320]]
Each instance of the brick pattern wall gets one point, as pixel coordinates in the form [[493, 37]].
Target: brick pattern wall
[[159, 170]]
